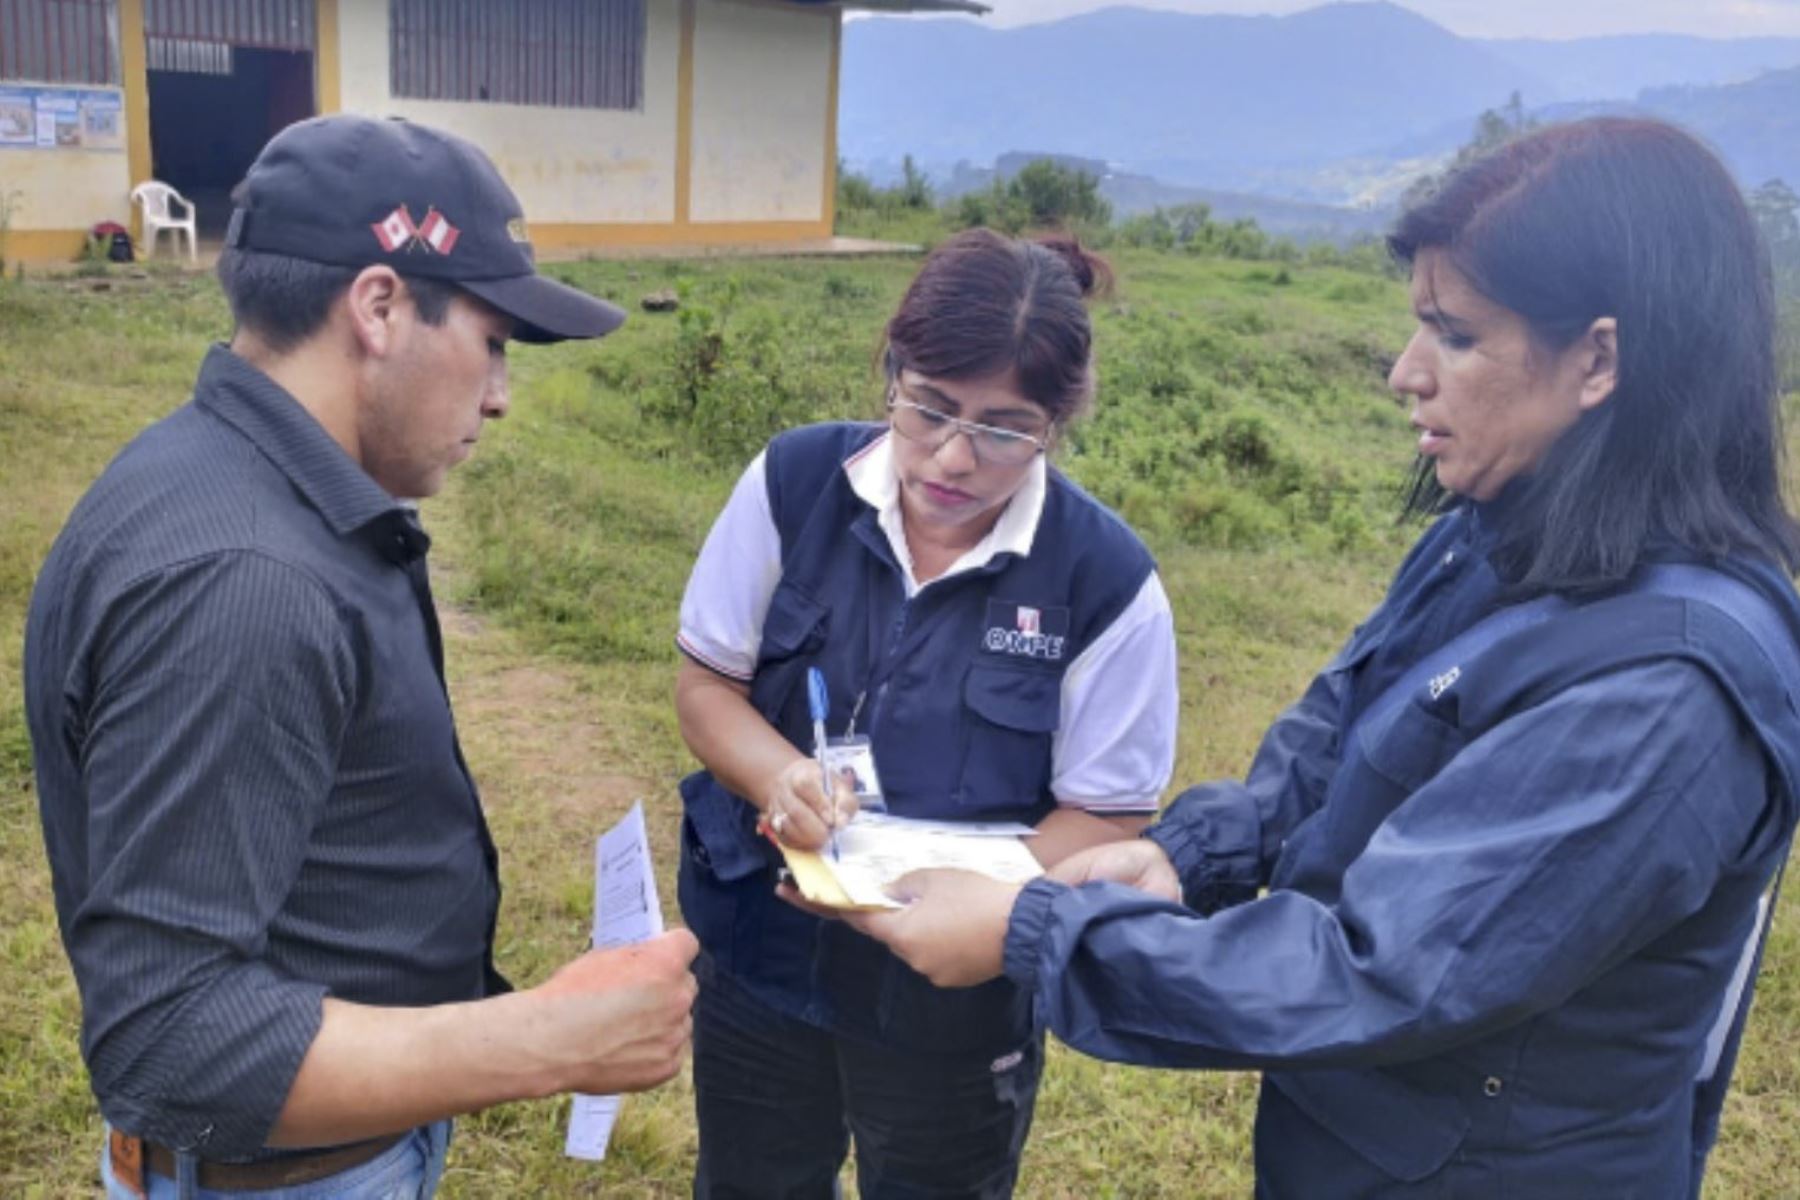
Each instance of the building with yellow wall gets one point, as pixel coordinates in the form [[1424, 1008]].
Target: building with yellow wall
[[618, 122]]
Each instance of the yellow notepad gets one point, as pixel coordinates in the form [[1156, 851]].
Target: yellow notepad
[[818, 883]]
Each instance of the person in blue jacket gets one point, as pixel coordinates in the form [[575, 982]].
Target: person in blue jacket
[[1518, 837], [1005, 644]]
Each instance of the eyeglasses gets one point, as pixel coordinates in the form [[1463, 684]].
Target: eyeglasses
[[933, 428]]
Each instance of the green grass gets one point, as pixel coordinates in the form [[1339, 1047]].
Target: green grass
[[1242, 424]]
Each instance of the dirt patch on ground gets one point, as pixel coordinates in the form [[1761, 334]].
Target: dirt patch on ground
[[459, 624], [532, 736]]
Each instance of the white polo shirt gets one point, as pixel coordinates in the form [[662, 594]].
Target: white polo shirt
[[1114, 748]]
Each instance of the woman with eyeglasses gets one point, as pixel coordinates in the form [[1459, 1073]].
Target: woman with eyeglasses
[[1005, 644]]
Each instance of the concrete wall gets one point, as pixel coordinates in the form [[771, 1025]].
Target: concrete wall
[[568, 165], [66, 189], [762, 94], [56, 195], [752, 101]]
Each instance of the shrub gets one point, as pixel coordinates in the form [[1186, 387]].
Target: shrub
[[857, 193], [1788, 345], [854, 192], [1044, 193], [1053, 194]]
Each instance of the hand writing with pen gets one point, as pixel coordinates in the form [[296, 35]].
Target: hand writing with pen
[[797, 810]]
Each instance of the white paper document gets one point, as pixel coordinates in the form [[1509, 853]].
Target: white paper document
[[626, 910], [876, 851], [874, 820]]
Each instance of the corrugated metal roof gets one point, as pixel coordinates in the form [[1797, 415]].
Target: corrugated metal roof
[[75, 41], [263, 24]]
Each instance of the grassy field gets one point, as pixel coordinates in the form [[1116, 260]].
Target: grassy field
[[1242, 426]]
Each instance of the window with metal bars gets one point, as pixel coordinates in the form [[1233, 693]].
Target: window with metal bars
[[59, 41], [555, 53]]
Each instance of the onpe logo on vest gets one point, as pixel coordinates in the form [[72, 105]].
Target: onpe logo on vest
[[1025, 630], [1441, 683]]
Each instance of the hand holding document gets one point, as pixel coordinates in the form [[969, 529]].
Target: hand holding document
[[626, 910], [876, 849]]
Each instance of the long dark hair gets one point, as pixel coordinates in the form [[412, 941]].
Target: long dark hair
[[1635, 220], [984, 303]]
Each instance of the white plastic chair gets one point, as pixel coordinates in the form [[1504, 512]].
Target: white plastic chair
[[155, 197]]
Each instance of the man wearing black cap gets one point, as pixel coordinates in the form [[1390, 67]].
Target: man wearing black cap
[[272, 872]]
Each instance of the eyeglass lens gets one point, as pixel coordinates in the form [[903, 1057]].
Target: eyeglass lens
[[934, 428]]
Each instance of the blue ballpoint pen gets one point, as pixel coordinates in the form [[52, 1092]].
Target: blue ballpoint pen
[[820, 702]]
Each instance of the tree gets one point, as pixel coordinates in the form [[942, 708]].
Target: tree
[[1049, 193], [854, 191], [1493, 129], [915, 185], [1055, 194], [1777, 211], [1044, 193]]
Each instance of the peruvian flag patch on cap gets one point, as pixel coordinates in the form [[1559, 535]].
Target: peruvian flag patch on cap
[[438, 233], [395, 230]]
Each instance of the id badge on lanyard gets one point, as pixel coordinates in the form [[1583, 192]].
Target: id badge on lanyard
[[852, 759]]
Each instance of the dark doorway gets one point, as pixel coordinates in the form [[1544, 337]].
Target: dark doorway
[[206, 126]]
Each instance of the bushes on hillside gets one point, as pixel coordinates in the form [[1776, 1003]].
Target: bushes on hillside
[[1191, 227], [1251, 415], [1044, 194], [1777, 210], [857, 194], [1209, 434], [741, 372], [1789, 346]]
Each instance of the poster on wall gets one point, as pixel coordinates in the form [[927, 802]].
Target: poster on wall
[[59, 121], [18, 118], [51, 118], [102, 121]]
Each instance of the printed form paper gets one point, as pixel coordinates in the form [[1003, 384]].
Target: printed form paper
[[875, 850], [626, 910]]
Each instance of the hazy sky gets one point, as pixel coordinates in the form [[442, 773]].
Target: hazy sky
[[1493, 18]]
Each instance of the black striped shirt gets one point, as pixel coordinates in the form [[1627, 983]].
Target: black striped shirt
[[250, 782]]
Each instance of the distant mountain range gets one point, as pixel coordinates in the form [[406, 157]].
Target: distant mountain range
[[1338, 105]]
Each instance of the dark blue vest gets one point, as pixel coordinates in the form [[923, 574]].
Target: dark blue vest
[[1412, 1126], [959, 689]]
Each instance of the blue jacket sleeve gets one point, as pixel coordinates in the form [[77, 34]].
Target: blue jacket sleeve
[[221, 689], [1223, 836], [1543, 854]]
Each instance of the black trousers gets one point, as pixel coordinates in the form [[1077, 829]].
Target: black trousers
[[780, 1101]]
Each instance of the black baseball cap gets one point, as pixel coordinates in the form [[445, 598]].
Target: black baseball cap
[[353, 191]]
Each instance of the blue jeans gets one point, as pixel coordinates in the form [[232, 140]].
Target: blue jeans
[[407, 1170]]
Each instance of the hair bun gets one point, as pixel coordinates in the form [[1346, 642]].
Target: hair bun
[[1093, 274]]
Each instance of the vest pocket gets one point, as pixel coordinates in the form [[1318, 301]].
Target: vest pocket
[[1012, 713], [721, 830], [1411, 747], [793, 620], [1406, 1133], [793, 633]]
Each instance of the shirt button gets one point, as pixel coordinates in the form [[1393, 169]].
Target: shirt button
[[1492, 1086], [1449, 558]]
